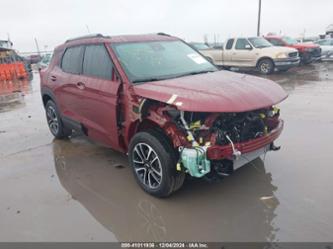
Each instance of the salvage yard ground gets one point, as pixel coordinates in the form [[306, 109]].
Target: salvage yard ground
[[75, 190]]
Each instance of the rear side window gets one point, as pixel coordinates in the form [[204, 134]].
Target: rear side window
[[97, 62], [72, 60], [230, 43]]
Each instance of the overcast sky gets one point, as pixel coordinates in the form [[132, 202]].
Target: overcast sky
[[53, 21]]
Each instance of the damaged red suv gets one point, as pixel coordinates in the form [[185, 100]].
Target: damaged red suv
[[160, 101]]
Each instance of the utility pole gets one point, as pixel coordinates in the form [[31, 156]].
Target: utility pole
[[259, 16], [37, 46], [87, 27]]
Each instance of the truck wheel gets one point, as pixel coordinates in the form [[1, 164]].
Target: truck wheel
[[54, 121], [266, 66], [153, 161]]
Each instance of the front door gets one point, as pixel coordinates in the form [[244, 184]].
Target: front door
[[243, 54], [99, 88]]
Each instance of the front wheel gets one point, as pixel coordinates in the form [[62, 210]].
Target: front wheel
[[266, 66], [153, 161]]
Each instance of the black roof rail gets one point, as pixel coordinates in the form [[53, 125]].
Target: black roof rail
[[86, 37], [161, 33]]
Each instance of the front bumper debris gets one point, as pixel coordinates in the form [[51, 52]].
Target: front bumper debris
[[218, 152]]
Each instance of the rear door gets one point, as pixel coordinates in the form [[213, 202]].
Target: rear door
[[65, 78], [99, 88]]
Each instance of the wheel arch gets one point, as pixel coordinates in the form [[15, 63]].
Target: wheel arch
[[47, 95], [265, 58]]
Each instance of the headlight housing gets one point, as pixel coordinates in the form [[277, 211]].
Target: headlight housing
[[282, 55]]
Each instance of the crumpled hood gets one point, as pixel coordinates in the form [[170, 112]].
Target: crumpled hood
[[220, 91]]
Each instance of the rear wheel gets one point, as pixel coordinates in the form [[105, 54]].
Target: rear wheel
[[266, 66], [153, 161], [54, 121]]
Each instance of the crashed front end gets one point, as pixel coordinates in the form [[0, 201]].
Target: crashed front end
[[216, 144], [216, 121]]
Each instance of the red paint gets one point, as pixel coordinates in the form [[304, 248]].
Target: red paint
[[299, 46], [304, 49], [220, 91], [106, 108]]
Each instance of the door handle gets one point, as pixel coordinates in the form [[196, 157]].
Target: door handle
[[53, 78], [80, 85]]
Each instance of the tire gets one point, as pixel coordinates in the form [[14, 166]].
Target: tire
[[54, 121], [153, 161], [266, 66]]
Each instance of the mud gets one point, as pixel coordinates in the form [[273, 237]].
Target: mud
[[75, 190]]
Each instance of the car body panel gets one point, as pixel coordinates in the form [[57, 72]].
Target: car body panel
[[220, 91]]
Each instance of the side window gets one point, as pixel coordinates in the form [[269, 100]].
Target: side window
[[242, 43], [72, 60], [97, 62], [230, 43], [276, 42]]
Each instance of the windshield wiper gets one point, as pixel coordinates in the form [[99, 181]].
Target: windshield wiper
[[147, 80], [176, 76], [197, 72]]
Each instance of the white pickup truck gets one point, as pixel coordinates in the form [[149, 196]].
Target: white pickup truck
[[251, 52]]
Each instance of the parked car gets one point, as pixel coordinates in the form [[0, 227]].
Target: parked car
[[326, 46], [33, 59], [45, 60], [157, 99], [309, 52], [253, 52]]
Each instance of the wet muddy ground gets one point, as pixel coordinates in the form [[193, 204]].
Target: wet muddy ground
[[75, 190]]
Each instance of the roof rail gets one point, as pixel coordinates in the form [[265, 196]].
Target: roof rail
[[86, 37]]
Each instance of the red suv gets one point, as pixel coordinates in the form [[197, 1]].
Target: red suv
[[160, 101], [309, 52]]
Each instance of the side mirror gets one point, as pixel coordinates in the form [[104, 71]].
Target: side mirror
[[248, 47]]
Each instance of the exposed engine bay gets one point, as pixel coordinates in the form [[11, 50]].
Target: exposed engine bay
[[204, 130]]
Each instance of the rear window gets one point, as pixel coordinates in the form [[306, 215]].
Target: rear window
[[72, 60], [97, 62]]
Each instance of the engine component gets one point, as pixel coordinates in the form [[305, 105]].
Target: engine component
[[236, 153], [190, 136], [195, 160]]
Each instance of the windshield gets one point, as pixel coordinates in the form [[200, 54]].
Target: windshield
[[289, 40], [259, 42], [159, 60]]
